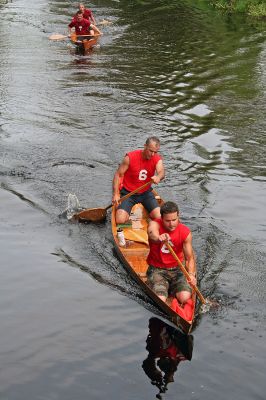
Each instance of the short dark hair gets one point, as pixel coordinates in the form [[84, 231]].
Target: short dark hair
[[79, 12], [153, 139], [169, 207]]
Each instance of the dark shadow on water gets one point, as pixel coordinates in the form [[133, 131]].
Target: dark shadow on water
[[166, 347], [23, 198], [116, 279], [82, 56], [80, 49]]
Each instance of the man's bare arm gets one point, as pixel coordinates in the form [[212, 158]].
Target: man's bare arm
[[119, 173], [189, 257], [160, 172]]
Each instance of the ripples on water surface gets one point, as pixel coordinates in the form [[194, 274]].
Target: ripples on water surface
[[70, 326]]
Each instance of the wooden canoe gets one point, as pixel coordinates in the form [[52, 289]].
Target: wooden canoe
[[85, 45], [133, 256]]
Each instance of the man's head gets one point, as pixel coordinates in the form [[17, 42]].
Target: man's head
[[81, 7], [151, 147], [79, 15], [170, 215]]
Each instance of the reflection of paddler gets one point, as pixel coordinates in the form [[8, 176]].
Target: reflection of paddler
[[167, 347]]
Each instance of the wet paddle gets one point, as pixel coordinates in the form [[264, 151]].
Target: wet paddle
[[58, 36], [99, 214], [183, 269], [104, 22]]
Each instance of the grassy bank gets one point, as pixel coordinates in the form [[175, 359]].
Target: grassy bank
[[254, 8]]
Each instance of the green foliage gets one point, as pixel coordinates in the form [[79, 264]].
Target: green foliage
[[256, 8]]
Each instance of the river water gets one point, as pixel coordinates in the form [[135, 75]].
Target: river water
[[73, 324]]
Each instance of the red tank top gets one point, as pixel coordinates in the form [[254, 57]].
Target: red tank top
[[159, 255], [140, 170], [81, 27], [87, 14]]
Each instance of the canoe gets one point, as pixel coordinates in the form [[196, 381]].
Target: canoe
[[133, 256], [85, 45]]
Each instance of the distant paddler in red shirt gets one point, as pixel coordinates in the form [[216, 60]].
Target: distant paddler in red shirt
[[137, 168], [83, 27], [87, 13]]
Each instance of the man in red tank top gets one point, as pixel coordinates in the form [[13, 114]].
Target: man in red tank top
[[164, 275], [87, 13], [137, 168], [82, 26]]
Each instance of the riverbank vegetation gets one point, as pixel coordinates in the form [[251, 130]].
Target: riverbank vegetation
[[254, 8]]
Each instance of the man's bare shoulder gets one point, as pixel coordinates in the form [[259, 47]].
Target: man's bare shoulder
[[152, 223]]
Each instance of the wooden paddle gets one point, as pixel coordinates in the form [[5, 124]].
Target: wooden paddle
[[99, 214], [183, 269], [104, 22], [58, 36]]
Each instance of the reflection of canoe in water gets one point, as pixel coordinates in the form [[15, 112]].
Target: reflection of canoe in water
[[85, 44], [133, 257], [166, 347]]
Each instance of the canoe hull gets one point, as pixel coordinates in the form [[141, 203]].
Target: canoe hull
[[85, 45]]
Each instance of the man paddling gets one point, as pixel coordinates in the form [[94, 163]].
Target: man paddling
[[87, 13], [137, 168], [83, 27], [164, 275]]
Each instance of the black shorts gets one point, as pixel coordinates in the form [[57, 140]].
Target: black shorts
[[147, 199]]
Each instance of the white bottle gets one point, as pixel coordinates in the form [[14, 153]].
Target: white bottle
[[121, 237]]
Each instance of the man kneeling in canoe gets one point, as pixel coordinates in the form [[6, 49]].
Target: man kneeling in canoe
[[164, 275], [139, 167], [83, 28]]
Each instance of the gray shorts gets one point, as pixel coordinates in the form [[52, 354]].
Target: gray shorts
[[166, 282], [147, 199]]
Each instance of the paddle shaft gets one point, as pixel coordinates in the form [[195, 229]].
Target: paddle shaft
[[183, 269], [61, 37], [92, 36], [57, 37], [130, 194]]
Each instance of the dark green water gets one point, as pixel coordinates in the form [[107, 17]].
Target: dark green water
[[73, 325]]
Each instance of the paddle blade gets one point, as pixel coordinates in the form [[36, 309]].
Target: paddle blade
[[104, 22], [57, 36], [210, 304], [91, 215]]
